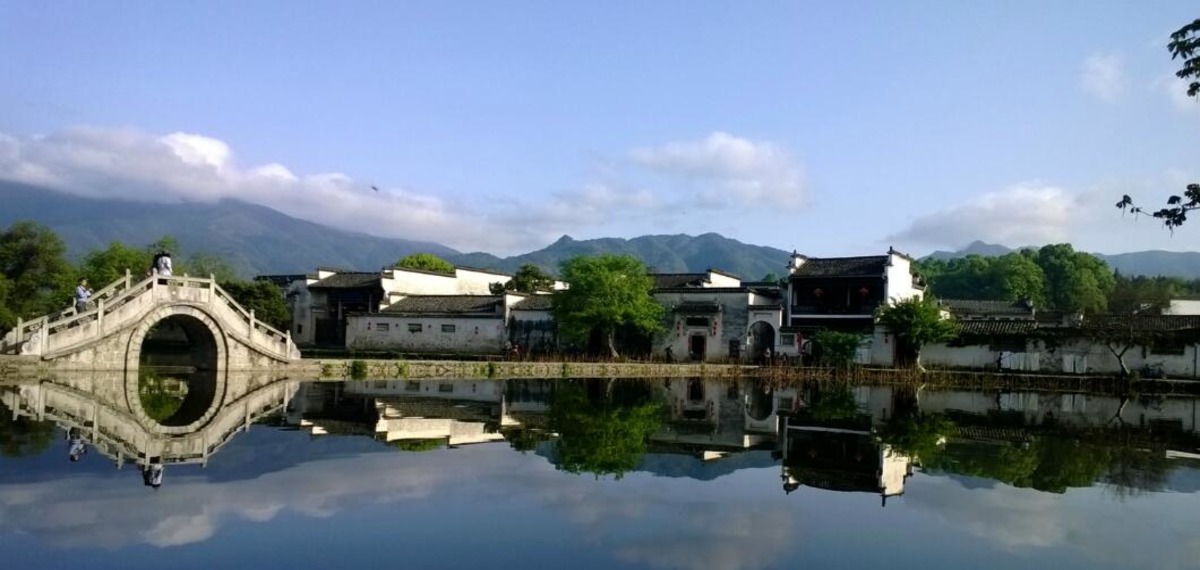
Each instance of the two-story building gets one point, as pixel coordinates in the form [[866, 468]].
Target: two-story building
[[842, 294]]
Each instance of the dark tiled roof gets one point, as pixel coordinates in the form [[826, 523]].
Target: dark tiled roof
[[869, 266], [677, 280], [979, 307], [281, 280], [447, 304], [725, 273], [351, 280], [1142, 322], [996, 327], [535, 303], [764, 307]]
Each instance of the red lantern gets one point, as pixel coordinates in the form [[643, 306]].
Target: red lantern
[[818, 292], [864, 292], [714, 330]]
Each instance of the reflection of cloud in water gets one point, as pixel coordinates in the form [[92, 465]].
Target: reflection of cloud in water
[[113, 512], [696, 530], [709, 537], [1150, 531]]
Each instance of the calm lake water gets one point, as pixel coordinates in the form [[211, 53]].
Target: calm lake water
[[602, 474]]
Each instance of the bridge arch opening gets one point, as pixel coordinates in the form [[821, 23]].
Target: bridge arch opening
[[177, 370]]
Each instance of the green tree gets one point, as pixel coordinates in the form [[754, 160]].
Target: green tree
[[1184, 46], [528, 279], [1141, 295], [1018, 277], [205, 264], [104, 266], [605, 292], [914, 323], [1075, 281], [38, 279], [264, 298], [603, 425], [837, 349], [425, 262]]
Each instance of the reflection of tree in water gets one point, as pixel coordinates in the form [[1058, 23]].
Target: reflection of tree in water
[[603, 425], [22, 437], [161, 396], [830, 405], [525, 439], [418, 444], [1056, 458], [911, 432]]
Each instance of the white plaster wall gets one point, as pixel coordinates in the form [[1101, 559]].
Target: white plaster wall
[[1183, 307], [440, 389], [474, 282], [1100, 359], [481, 335], [719, 280], [731, 324], [899, 279], [303, 320], [417, 283]]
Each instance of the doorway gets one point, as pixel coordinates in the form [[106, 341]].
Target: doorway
[[697, 347]]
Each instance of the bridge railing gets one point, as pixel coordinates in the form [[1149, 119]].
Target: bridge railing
[[258, 331], [110, 310]]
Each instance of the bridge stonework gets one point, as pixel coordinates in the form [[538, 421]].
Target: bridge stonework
[[110, 334], [105, 408]]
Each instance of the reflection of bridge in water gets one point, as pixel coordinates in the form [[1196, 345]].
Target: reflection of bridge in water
[[109, 335], [99, 407]]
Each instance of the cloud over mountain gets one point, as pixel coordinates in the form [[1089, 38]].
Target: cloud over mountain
[[1030, 213]]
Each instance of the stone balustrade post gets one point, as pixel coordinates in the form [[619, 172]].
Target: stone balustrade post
[[20, 326], [100, 316], [251, 333]]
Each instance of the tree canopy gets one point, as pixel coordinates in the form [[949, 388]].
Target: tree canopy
[[37, 279], [425, 262], [1184, 46], [1054, 277], [528, 279], [606, 292], [915, 322]]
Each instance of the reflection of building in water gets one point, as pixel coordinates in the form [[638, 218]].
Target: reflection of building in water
[[711, 419], [114, 431], [828, 441], [838, 459], [457, 412]]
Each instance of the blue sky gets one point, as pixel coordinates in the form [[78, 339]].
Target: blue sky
[[834, 128]]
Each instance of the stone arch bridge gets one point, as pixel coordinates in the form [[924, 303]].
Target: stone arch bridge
[[109, 334]]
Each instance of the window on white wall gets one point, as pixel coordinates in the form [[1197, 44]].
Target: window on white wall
[[382, 327], [448, 328], [415, 327]]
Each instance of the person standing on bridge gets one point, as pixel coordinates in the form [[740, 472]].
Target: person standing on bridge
[[162, 264], [82, 294]]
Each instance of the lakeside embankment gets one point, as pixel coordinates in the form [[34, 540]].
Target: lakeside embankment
[[18, 369]]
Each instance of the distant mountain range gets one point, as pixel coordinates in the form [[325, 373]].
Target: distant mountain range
[[257, 240], [1155, 262]]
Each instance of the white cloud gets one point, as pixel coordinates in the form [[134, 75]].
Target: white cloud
[[728, 171], [134, 165], [1176, 91], [1024, 214], [692, 183], [1103, 75]]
